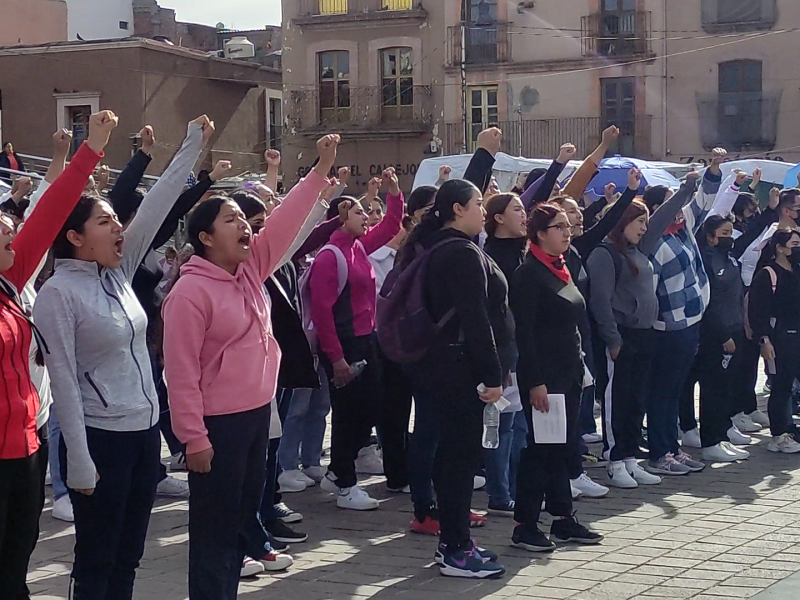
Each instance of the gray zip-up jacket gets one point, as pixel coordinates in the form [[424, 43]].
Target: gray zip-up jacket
[[626, 299], [99, 366]]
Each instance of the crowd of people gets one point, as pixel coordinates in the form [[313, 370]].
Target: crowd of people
[[280, 310]]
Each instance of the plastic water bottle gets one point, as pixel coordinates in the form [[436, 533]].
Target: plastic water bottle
[[358, 368], [491, 423]]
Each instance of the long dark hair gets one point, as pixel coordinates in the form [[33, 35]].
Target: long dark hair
[[780, 238], [76, 221], [202, 221], [250, 204], [453, 191], [496, 205], [710, 227], [617, 235]]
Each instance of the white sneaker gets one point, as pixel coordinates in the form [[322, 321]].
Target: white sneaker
[[315, 473], [275, 561], [355, 498], [737, 438], [719, 454], [292, 481], [576, 493], [170, 487], [368, 462], [740, 452], [639, 475], [592, 438], [619, 477], [306, 479], [328, 483], [250, 568], [177, 462], [744, 423], [759, 417], [62, 510], [691, 439], [478, 482], [784, 443], [589, 488]]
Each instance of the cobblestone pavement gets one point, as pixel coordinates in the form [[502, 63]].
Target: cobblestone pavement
[[729, 532]]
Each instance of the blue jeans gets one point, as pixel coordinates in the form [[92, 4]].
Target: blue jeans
[[497, 463], [674, 355], [519, 441], [59, 487], [305, 426]]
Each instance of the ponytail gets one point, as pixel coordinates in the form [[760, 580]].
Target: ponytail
[[454, 191]]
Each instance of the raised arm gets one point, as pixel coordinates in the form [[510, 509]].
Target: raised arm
[[543, 191], [273, 158], [41, 229], [381, 234], [594, 236], [285, 222], [123, 191], [479, 170], [56, 321], [666, 213], [583, 176], [187, 201], [160, 200]]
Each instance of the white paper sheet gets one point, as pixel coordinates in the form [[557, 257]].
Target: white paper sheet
[[551, 427]]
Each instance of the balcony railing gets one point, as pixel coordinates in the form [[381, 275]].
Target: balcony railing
[[323, 8], [625, 33], [731, 16], [482, 44], [542, 138], [740, 120], [392, 108]]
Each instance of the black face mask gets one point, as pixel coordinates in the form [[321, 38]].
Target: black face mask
[[794, 257], [725, 244]]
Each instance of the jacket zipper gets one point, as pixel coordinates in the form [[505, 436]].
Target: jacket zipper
[[95, 388]]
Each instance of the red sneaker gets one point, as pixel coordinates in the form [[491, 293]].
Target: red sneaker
[[476, 520], [429, 526]]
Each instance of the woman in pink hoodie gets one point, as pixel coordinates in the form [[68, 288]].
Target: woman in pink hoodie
[[221, 366], [343, 313]]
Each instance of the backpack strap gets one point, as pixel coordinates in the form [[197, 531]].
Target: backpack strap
[[341, 266], [616, 258], [773, 277]]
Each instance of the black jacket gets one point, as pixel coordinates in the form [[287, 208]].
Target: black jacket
[[508, 253], [724, 316], [546, 312], [461, 276], [783, 304], [479, 170], [298, 368], [6, 164]]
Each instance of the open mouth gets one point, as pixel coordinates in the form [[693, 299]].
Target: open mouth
[[118, 246], [9, 248], [244, 241]]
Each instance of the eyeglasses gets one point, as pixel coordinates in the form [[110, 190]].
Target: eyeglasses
[[562, 227]]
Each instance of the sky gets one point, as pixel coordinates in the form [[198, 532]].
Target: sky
[[235, 14]]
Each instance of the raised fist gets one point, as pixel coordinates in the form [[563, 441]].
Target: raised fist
[[490, 140], [101, 125], [273, 158]]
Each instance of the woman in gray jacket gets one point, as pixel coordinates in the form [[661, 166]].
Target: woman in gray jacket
[[101, 379], [623, 303]]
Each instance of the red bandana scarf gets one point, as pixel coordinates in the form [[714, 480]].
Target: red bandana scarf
[[555, 264]]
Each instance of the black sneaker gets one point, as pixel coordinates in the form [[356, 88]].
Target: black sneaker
[[281, 532], [505, 510], [531, 539], [276, 545], [485, 554], [469, 564], [564, 531]]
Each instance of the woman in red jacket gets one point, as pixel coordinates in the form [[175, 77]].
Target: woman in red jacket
[[23, 449]]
